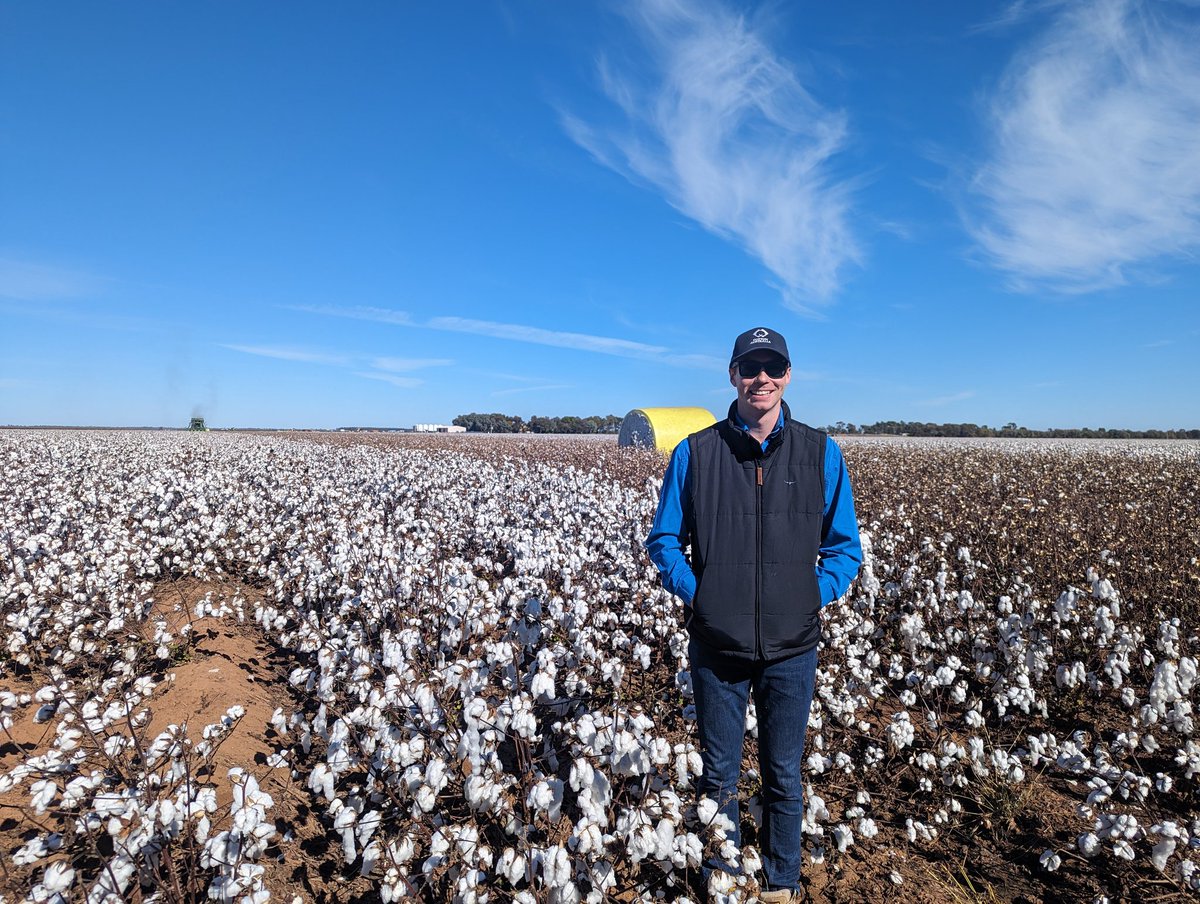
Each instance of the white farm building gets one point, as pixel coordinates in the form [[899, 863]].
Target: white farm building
[[438, 428]]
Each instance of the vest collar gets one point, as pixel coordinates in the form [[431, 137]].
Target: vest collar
[[775, 437]]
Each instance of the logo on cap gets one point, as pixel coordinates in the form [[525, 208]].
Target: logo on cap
[[760, 335]]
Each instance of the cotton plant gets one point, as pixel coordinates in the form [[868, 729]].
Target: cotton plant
[[144, 823], [478, 638]]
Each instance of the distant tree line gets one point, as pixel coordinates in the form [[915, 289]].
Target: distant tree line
[[510, 423], [611, 423], [916, 428]]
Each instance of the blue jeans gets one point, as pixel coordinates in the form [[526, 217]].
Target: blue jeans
[[783, 692]]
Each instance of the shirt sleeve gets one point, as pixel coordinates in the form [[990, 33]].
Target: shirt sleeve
[[668, 534], [841, 549]]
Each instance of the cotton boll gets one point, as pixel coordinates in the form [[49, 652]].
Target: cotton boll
[[843, 838], [114, 878], [45, 712], [751, 722], [511, 866], [720, 883], [547, 797], [556, 867], [682, 770], [1088, 844], [1189, 874], [321, 779], [728, 852], [41, 793], [919, 831], [642, 844], [900, 732], [402, 852], [815, 813], [481, 793], [588, 839], [1125, 825], [542, 687], [343, 822], [688, 851], [751, 861], [37, 848], [58, 877], [1161, 853], [603, 876]]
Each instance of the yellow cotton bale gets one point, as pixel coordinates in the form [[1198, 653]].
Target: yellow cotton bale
[[661, 428]]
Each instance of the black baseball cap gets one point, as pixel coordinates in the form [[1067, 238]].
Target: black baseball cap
[[759, 339]]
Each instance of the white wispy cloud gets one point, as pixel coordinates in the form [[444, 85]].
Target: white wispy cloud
[[12, 382], [721, 126], [402, 365], [518, 332], [1160, 343], [24, 280], [606, 345], [1013, 14], [518, 389], [356, 312], [287, 354], [402, 382], [385, 369], [903, 230], [938, 401], [1094, 166]]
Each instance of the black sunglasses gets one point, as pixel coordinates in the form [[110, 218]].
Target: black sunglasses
[[775, 368]]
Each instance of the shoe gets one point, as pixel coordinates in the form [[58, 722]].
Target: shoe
[[781, 896]]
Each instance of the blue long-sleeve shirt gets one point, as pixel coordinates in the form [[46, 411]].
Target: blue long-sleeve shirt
[[840, 553]]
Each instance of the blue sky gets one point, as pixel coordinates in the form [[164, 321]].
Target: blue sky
[[315, 215]]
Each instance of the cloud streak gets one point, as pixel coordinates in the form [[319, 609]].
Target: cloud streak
[[287, 354], [584, 342], [1093, 171], [393, 379], [406, 364], [534, 335], [723, 129], [384, 369], [358, 312]]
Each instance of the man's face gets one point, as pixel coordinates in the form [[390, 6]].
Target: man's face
[[759, 393]]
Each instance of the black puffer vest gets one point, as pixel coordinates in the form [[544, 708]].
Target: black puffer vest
[[755, 527]]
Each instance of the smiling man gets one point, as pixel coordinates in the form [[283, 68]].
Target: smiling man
[[755, 532]]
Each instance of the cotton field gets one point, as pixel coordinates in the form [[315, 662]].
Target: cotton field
[[311, 667]]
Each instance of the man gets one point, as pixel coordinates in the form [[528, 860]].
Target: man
[[764, 504]]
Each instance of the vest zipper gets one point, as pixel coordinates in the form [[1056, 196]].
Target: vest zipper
[[758, 474]]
